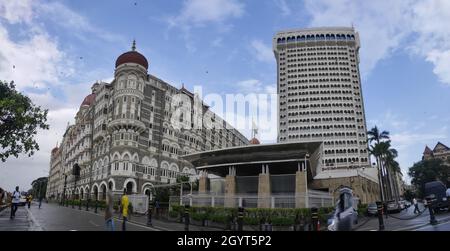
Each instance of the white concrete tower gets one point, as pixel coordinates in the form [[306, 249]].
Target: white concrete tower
[[320, 95]]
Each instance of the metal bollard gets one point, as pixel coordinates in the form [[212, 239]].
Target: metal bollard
[[73, 203], [87, 204], [186, 218], [149, 215], [79, 205], [240, 219], [380, 215], [96, 206], [315, 219]]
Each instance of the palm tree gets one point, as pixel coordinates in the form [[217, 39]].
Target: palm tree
[[377, 150], [375, 135], [393, 168]]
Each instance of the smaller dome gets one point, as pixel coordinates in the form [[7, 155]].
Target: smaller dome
[[254, 141], [88, 100]]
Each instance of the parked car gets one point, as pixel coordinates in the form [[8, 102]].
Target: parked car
[[372, 209], [437, 190], [345, 215], [23, 200], [393, 206]]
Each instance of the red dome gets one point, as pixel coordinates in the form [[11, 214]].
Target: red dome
[[88, 100], [254, 141], [132, 57]]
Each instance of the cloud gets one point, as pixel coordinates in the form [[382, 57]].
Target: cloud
[[40, 69], [79, 25], [217, 42], [200, 13], [418, 27], [262, 52], [379, 36], [285, 10], [33, 62], [255, 86], [16, 11]]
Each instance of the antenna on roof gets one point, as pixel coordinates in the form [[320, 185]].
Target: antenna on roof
[[133, 47]]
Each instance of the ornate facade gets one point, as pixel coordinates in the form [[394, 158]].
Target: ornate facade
[[124, 134], [440, 151]]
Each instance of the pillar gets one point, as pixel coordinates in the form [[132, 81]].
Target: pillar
[[230, 188], [301, 187], [264, 190], [203, 185]]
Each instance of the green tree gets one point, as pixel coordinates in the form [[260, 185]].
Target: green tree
[[385, 156], [19, 121], [409, 195], [377, 136], [427, 171]]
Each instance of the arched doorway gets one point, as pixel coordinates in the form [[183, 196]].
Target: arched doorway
[[129, 187], [95, 192], [103, 189], [81, 193]]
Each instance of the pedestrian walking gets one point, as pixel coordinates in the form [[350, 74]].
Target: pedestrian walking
[[124, 208], [157, 209], [29, 199], [40, 202], [109, 219], [15, 202], [416, 206]]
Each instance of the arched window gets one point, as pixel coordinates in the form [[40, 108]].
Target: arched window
[[126, 160]]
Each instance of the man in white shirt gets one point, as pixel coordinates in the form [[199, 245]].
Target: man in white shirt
[[15, 200], [416, 206]]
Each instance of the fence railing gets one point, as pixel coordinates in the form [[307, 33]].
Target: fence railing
[[304, 200]]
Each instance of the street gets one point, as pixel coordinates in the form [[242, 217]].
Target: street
[[404, 221], [52, 217], [20, 223]]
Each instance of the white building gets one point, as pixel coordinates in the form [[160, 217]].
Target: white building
[[320, 98], [124, 136]]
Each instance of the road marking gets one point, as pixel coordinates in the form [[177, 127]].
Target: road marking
[[94, 223]]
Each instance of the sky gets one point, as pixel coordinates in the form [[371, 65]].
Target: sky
[[55, 50]]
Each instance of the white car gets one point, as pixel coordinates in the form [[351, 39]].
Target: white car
[[23, 200]]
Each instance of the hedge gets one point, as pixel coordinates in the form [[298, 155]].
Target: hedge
[[101, 204], [252, 216]]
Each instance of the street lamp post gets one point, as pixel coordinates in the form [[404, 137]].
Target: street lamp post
[[64, 191], [306, 181]]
